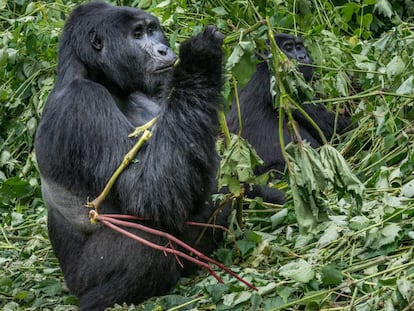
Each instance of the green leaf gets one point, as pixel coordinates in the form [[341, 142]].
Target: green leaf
[[242, 61], [234, 299], [15, 188], [220, 11], [51, 287], [252, 236], [285, 293], [246, 247], [217, 291], [300, 271], [367, 20], [144, 4], [349, 9], [331, 275]]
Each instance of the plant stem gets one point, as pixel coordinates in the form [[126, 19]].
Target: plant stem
[[126, 161], [237, 36], [223, 126]]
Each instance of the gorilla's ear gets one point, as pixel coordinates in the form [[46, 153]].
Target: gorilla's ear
[[95, 40]]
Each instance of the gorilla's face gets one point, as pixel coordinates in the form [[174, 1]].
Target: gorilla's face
[[125, 50], [294, 49]]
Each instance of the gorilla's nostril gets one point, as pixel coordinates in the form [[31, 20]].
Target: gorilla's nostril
[[163, 50]]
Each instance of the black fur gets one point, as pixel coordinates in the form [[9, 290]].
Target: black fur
[[115, 73], [260, 121]]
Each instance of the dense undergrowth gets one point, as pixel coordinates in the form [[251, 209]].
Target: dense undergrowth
[[359, 257]]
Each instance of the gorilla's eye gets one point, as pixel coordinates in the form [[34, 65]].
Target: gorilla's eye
[[138, 32], [299, 47], [152, 27], [288, 47]]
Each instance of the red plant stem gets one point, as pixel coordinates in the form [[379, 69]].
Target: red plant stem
[[107, 221], [122, 216], [172, 238]]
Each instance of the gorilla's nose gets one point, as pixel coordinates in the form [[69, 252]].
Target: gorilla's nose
[[163, 50]]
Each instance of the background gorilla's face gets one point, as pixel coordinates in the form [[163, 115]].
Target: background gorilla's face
[[293, 48]]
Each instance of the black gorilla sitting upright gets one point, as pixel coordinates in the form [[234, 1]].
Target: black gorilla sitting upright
[[115, 72], [260, 120]]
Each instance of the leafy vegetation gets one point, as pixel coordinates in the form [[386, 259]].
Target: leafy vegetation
[[359, 253]]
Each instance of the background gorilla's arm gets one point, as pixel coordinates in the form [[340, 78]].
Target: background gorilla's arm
[[324, 119]]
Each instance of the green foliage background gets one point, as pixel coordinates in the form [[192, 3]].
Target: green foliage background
[[355, 259]]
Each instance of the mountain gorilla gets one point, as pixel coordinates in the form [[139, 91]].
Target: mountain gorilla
[[115, 72], [260, 120]]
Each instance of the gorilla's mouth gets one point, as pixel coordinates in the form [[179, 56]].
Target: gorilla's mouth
[[165, 67]]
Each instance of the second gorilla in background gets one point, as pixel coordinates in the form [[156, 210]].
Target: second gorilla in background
[[260, 120]]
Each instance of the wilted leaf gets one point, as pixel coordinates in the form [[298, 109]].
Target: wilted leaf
[[395, 66], [341, 83], [307, 181], [388, 235], [330, 234], [268, 288], [384, 7], [408, 189], [237, 164], [17, 219], [344, 180], [359, 222], [406, 87], [279, 217], [406, 289]]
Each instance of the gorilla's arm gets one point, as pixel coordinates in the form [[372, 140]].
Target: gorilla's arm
[[324, 119], [180, 157]]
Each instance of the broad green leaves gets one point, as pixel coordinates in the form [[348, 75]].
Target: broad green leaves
[[242, 61]]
